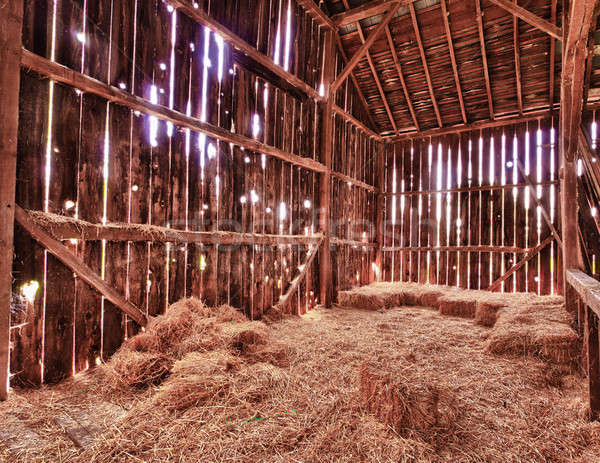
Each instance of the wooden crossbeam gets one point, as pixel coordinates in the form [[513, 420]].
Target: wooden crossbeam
[[317, 14], [445, 15], [11, 21], [417, 31], [530, 18], [62, 253], [88, 84], [360, 53], [367, 10], [517, 50], [63, 228], [485, 124], [374, 73], [310, 257], [539, 205], [486, 72], [471, 189], [407, 97], [526, 258], [354, 121], [482, 248]]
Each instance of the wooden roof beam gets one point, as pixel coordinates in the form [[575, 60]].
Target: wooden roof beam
[[367, 10], [413, 114], [486, 72], [517, 49], [413, 16], [529, 17], [201, 17], [361, 95], [445, 15], [363, 49], [374, 73], [317, 14]]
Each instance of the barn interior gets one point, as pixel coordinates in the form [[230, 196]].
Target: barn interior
[[299, 230]]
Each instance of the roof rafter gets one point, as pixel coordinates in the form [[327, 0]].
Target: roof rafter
[[445, 15], [486, 72], [517, 49], [529, 17], [363, 49], [401, 75], [361, 95], [374, 72], [413, 15]]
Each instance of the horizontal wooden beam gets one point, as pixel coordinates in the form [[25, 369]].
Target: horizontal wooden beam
[[88, 84], [472, 189], [317, 14], [354, 182], [201, 17], [530, 18], [360, 53], [526, 258], [505, 249], [486, 124], [587, 287], [353, 243], [367, 10], [66, 228], [73, 262], [285, 299]]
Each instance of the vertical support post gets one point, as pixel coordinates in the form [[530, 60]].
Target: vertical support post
[[571, 94], [11, 23], [381, 157], [327, 148], [593, 362]]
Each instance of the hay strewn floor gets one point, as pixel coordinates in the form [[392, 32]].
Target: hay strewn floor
[[289, 392]]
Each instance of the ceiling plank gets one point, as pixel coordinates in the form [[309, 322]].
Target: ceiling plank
[[363, 49], [486, 73], [374, 73], [517, 48], [367, 10], [445, 15], [413, 15], [529, 17], [411, 108]]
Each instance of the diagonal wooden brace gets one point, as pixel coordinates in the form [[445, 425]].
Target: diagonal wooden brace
[[62, 253]]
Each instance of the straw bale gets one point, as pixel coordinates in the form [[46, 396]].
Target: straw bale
[[460, 305], [486, 312]]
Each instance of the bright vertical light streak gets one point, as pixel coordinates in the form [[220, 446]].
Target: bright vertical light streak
[[153, 120], [276, 57], [49, 139], [172, 73], [105, 165], [288, 37], [221, 47], [552, 203], [206, 64]]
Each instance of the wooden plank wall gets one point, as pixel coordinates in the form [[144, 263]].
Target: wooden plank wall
[[83, 157], [446, 197]]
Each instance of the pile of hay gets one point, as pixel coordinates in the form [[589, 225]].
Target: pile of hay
[[536, 330], [405, 404], [219, 404], [187, 331]]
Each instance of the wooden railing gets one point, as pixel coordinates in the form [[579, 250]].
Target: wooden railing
[[586, 291]]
